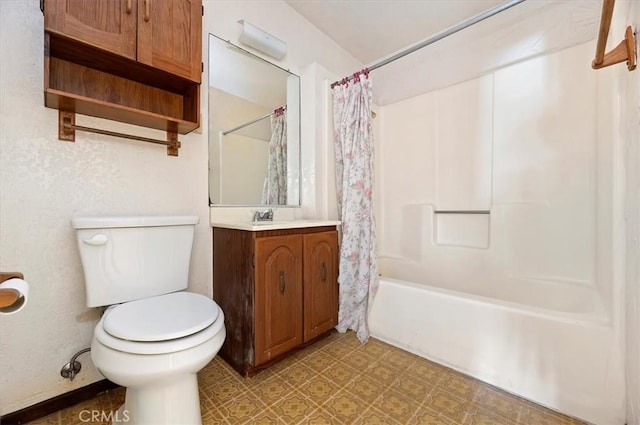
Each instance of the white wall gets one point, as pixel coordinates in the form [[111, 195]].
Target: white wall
[[44, 182]]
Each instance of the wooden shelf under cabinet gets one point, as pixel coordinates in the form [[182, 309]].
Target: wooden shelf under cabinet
[[116, 93]]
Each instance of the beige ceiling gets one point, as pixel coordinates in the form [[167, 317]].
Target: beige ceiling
[[372, 29]]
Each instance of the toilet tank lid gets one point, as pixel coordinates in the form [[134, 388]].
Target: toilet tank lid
[[132, 221]]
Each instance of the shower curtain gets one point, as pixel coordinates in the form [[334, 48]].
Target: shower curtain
[[274, 191], [358, 268]]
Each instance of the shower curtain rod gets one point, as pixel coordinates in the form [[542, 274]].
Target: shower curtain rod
[[224, 133], [444, 34]]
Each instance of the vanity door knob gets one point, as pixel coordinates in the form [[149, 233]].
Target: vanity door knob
[[147, 13], [324, 271], [97, 240], [282, 282]]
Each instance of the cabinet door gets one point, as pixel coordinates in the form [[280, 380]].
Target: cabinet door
[[170, 36], [278, 296], [107, 24], [320, 283]]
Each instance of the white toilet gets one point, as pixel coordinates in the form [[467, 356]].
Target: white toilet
[[154, 338]]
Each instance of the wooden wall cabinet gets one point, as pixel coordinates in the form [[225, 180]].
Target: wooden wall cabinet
[[135, 61], [109, 25], [278, 290]]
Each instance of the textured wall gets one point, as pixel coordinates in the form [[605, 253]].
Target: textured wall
[[45, 182]]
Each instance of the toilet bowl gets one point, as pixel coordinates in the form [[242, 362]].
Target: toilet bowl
[[154, 337], [157, 368]]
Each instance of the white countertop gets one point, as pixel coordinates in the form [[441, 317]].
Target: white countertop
[[274, 225]]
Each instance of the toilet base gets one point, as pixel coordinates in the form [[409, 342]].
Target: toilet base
[[161, 389], [166, 403]]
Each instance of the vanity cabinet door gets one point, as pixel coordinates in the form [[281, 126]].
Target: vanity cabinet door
[[278, 295], [106, 24], [320, 283], [170, 36]]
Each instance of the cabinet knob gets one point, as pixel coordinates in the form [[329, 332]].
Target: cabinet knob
[[146, 10], [282, 282], [128, 9], [324, 271]]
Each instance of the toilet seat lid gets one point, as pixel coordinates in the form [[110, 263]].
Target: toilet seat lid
[[161, 318]]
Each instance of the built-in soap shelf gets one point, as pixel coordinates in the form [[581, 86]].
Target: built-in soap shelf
[[462, 211], [462, 228]]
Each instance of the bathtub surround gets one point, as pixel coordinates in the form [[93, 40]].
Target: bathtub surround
[[355, 160], [628, 132], [44, 182], [537, 310]]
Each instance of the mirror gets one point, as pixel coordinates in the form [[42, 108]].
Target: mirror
[[254, 129]]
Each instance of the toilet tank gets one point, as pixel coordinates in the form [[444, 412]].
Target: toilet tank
[[129, 258]]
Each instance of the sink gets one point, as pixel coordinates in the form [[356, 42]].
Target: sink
[[254, 226]]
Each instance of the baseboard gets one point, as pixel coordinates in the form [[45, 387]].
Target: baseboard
[[54, 404]]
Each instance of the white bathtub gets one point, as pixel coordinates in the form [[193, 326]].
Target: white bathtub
[[563, 355]]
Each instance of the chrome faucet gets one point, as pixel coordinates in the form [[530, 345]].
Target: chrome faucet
[[266, 215]]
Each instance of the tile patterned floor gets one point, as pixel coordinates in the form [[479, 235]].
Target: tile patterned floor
[[339, 381]]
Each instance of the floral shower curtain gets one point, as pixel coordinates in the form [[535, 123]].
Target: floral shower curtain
[[274, 191], [358, 268]]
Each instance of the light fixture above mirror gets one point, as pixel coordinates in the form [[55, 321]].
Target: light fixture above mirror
[[262, 41]]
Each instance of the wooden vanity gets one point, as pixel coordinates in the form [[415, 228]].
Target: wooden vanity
[[277, 287]]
